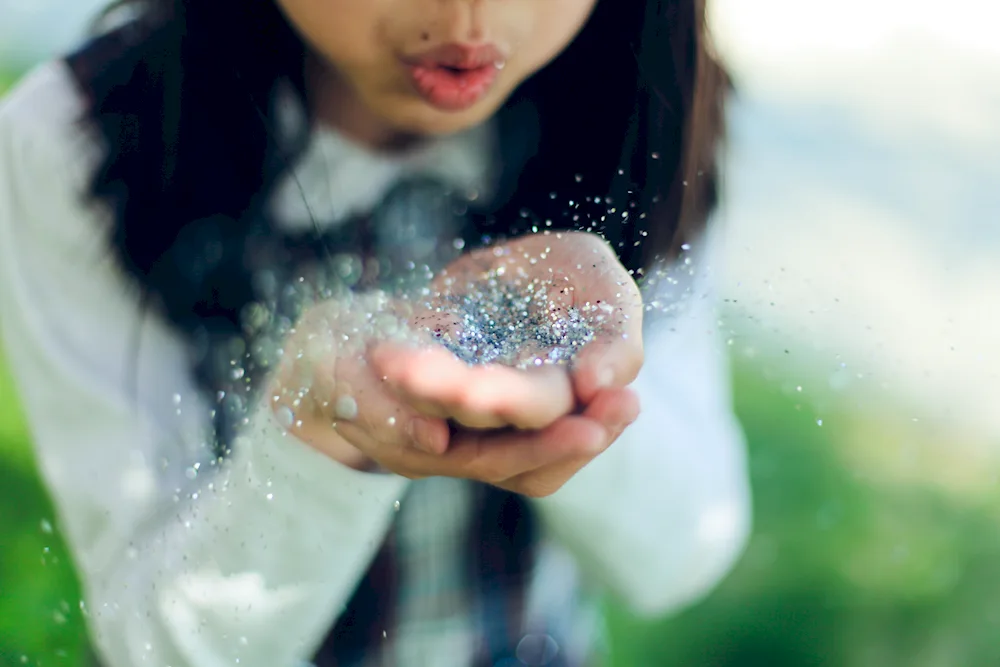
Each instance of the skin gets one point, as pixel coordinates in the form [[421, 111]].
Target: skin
[[360, 86], [421, 412]]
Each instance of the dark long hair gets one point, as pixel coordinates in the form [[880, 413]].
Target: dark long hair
[[629, 119]]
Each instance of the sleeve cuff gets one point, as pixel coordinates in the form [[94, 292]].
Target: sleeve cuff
[[272, 455]]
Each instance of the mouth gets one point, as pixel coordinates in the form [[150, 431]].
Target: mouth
[[453, 88], [455, 77]]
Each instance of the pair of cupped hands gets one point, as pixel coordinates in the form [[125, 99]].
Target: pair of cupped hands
[[418, 411]]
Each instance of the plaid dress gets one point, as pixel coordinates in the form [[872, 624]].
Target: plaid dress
[[465, 578]]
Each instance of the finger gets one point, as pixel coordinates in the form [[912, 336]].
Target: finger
[[613, 410], [487, 396], [430, 380], [607, 363], [426, 408], [614, 357], [367, 414], [526, 399], [496, 457], [428, 373], [419, 375], [545, 481]]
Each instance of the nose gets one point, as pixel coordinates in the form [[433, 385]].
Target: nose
[[467, 22]]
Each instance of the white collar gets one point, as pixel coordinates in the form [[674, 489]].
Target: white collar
[[337, 178]]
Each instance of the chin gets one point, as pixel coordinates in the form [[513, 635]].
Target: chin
[[418, 117]]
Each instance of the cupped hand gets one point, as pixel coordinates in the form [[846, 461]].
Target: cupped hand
[[334, 399], [388, 404], [530, 463], [576, 271], [333, 389]]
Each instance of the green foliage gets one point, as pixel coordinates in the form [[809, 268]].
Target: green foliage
[[6, 80], [843, 568], [40, 615]]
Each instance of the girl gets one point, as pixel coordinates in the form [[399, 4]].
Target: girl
[[209, 218]]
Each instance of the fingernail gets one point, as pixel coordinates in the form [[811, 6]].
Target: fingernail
[[425, 437]]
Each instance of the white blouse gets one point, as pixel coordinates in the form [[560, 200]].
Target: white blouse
[[183, 563]]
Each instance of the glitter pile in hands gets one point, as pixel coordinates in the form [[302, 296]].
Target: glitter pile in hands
[[496, 321]]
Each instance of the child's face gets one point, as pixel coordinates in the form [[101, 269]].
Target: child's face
[[435, 66]]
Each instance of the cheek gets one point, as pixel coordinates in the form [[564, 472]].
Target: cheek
[[552, 27], [346, 32]]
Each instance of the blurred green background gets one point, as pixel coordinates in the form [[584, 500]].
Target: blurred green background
[[876, 540], [868, 550]]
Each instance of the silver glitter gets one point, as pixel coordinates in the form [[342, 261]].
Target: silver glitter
[[497, 321]]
